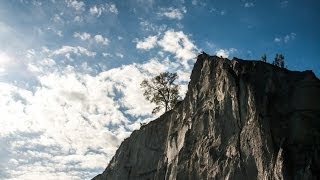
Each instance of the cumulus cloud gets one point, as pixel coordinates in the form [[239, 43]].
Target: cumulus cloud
[[98, 10], [179, 44], [61, 118], [105, 54], [148, 26], [100, 39], [65, 112], [59, 122], [286, 38], [87, 37], [175, 42], [289, 37], [147, 43], [83, 36], [47, 62], [78, 50], [48, 130], [225, 52], [173, 13], [77, 5]]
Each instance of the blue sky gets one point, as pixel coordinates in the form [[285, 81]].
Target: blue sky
[[70, 70]]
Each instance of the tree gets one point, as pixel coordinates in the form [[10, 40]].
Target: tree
[[162, 91], [279, 60], [264, 58]]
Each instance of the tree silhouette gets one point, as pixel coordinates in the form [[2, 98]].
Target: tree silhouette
[[279, 60], [162, 91], [264, 58]]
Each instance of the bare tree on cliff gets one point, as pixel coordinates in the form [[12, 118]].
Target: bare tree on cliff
[[279, 60], [162, 91], [264, 58]]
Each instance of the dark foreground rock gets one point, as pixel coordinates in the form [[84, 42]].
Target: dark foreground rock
[[239, 120]]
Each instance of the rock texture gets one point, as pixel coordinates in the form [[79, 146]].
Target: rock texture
[[239, 120]]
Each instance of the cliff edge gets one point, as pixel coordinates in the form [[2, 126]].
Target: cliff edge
[[239, 120]]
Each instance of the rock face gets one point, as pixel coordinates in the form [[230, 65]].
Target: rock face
[[239, 120]]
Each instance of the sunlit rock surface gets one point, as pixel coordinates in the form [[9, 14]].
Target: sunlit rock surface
[[239, 120]]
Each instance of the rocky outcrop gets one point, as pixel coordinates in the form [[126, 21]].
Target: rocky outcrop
[[239, 120]]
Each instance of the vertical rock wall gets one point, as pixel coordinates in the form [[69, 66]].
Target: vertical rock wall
[[239, 120]]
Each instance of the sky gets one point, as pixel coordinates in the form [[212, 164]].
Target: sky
[[70, 70]]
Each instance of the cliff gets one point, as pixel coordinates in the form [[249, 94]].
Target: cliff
[[239, 120]]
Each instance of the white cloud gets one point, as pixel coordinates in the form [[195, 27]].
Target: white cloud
[[65, 113], [98, 10], [83, 36], [179, 44], [54, 124], [77, 5], [78, 50], [87, 37], [100, 39], [95, 11], [48, 62], [66, 118], [106, 54], [290, 37], [286, 38], [173, 13], [148, 26], [225, 52], [147, 43], [175, 42], [112, 8], [49, 129]]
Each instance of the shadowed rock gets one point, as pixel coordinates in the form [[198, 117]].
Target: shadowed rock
[[239, 120]]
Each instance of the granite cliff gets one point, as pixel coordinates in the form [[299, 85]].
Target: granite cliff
[[239, 120]]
